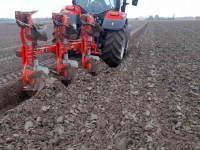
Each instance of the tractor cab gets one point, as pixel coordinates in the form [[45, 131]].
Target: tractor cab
[[100, 9], [97, 6], [101, 6]]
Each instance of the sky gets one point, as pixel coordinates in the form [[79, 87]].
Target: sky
[[164, 8]]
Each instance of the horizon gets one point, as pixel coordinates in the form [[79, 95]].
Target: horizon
[[145, 8], [128, 17]]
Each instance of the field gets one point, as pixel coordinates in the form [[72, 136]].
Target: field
[[150, 102]]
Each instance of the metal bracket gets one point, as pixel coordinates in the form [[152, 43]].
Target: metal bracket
[[93, 57], [73, 63], [40, 68]]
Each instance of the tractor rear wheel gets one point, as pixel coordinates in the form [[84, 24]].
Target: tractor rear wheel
[[114, 47]]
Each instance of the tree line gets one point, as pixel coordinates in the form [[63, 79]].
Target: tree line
[[157, 17]]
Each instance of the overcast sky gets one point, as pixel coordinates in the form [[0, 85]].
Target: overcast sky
[[165, 8]]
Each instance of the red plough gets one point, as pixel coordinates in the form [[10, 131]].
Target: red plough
[[65, 33]]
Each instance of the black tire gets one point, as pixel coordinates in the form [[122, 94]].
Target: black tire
[[114, 47]]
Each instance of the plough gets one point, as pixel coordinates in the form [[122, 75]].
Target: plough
[[63, 31]]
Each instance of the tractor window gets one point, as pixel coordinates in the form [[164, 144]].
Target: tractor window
[[97, 6]]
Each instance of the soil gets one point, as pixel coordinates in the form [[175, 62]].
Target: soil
[[150, 101], [11, 95]]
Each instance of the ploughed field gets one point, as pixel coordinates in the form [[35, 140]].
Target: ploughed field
[[150, 101]]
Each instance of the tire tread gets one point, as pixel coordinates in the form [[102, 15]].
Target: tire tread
[[111, 53]]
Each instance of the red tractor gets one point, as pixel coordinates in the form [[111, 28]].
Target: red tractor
[[93, 28], [113, 42]]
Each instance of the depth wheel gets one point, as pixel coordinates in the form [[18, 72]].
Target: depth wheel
[[114, 47]]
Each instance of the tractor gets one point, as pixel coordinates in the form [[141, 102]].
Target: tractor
[[113, 42], [96, 29]]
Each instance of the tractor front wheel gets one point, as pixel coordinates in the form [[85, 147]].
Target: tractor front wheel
[[114, 47]]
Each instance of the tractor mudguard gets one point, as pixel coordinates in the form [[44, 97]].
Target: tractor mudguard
[[128, 31], [128, 34], [114, 20]]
